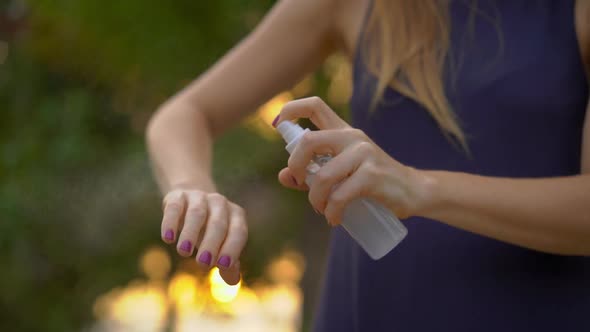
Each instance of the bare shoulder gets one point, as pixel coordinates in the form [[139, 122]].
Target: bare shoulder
[[348, 20], [343, 19]]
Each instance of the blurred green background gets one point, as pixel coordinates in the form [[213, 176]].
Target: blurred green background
[[79, 80]]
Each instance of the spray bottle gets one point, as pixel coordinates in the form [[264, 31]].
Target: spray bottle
[[372, 225]]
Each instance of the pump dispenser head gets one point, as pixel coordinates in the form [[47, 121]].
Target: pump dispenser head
[[372, 225], [291, 133]]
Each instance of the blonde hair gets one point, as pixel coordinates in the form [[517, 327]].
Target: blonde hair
[[406, 43]]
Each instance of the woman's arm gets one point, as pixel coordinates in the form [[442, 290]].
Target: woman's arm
[[547, 214], [291, 40], [551, 215]]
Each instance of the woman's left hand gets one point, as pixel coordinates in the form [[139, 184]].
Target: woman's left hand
[[359, 168]]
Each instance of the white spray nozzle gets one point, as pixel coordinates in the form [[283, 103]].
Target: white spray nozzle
[[291, 133]]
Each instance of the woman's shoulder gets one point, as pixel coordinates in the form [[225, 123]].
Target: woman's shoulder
[[348, 20], [342, 18]]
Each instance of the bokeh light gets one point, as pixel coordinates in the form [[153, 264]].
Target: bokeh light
[[155, 263], [220, 291], [261, 122]]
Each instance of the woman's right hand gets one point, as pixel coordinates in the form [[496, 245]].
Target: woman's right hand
[[209, 224]]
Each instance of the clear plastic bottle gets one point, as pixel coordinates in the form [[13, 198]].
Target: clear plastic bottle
[[372, 225]]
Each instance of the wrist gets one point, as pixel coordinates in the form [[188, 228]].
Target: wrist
[[203, 184], [428, 195]]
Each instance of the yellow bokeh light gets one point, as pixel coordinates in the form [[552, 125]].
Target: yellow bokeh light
[[261, 122], [269, 111], [282, 301], [183, 289], [155, 263], [287, 269], [189, 302], [245, 302], [220, 291], [142, 307]]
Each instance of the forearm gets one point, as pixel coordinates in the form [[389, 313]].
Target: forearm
[[550, 215], [180, 146]]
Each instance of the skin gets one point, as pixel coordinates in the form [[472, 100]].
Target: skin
[[303, 33]]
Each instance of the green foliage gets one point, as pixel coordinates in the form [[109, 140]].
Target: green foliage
[[77, 199]]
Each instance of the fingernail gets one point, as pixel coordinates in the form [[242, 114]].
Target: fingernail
[[294, 180], [274, 122], [169, 235], [224, 261], [205, 258], [186, 246]]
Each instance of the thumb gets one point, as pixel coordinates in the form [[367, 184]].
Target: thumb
[[232, 275], [287, 179]]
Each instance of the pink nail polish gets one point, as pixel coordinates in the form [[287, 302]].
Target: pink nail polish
[[169, 235], [205, 258], [186, 246], [224, 261], [274, 122]]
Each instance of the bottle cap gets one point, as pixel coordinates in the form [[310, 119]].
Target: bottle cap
[[291, 133]]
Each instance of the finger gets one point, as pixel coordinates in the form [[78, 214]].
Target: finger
[[334, 172], [235, 240], [320, 142], [231, 275], [287, 179], [348, 190], [173, 205], [315, 109], [215, 231], [194, 220]]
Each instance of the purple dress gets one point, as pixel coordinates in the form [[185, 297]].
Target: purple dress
[[518, 86]]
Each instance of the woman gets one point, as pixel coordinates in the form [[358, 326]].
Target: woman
[[470, 125]]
